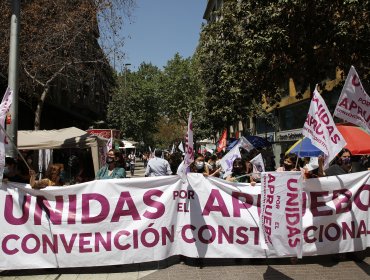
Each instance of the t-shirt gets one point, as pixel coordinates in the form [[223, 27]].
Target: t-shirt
[[132, 158], [334, 170]]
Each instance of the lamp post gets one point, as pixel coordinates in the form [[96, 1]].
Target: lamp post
[[13, 74]]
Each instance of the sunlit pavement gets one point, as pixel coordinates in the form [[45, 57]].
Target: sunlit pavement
[[322, 267]]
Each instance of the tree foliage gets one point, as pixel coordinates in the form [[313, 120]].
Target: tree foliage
[[59, 47], [134, 108], [256, 46]]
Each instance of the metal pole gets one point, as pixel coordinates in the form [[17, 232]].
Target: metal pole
[[13, 75]]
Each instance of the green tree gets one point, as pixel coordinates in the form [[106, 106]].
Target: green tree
[[181, 93], [135, 105], [256, 46]]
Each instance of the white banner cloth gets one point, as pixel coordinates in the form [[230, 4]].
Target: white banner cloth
[[281, 213], [123, 221], [354, 103], [320, 128]]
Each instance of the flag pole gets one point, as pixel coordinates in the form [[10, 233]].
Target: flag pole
[[299, 153], [15, 146]]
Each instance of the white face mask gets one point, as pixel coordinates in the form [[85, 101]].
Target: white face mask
[[199, 165]]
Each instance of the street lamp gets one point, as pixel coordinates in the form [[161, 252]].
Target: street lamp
[[13, 74]]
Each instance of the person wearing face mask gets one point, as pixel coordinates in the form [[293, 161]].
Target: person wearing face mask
[[342, 164], [111, 169], [289, 164], [238, 172], [199, 166]]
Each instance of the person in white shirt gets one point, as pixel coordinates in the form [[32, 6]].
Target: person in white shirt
[[132, 159], [158, 166]]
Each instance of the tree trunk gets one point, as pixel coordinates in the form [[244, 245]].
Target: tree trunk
[[40, 105]]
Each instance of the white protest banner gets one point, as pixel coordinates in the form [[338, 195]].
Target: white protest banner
[[320, 128], [281, 213], [4, 108], [354, 103], [134, 220]]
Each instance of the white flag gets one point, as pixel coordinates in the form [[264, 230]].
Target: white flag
[[258, 165], [354, 103], [173, 148], [181, 147], [228, 159], [281, 213], [189, 144], [4, 108], [189, 149], [109, 144], [320, 128], [234, 153], [245, 144]]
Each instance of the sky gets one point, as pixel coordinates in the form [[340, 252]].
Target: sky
[[161, 28]]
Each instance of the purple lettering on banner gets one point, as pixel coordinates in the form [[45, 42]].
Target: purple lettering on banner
[[210, 206], [116, 240], [4, 246], [242, 233], [331, 227], [357, 198], [68, 246], [315, 204], [72, 205], [167, 234], [144, 239], [346, 230], [208, 238], [99, 240], [104, 204], [229, 236], [84, 241], [310, 238], [159, 206], [183, 233], [9, 208], [339, 201], [52, 244], [125, 198], [36, 241], [361, 229], [55, 216], [238, 204]]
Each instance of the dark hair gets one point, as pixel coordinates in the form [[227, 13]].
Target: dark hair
[[158, 153], [338, 158], [10, 160], [291, 156], [344, 150]]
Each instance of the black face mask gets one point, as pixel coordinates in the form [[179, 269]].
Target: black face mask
[[109, 160], [288, 166]]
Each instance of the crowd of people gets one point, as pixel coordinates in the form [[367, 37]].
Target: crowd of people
[[162, 163]]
